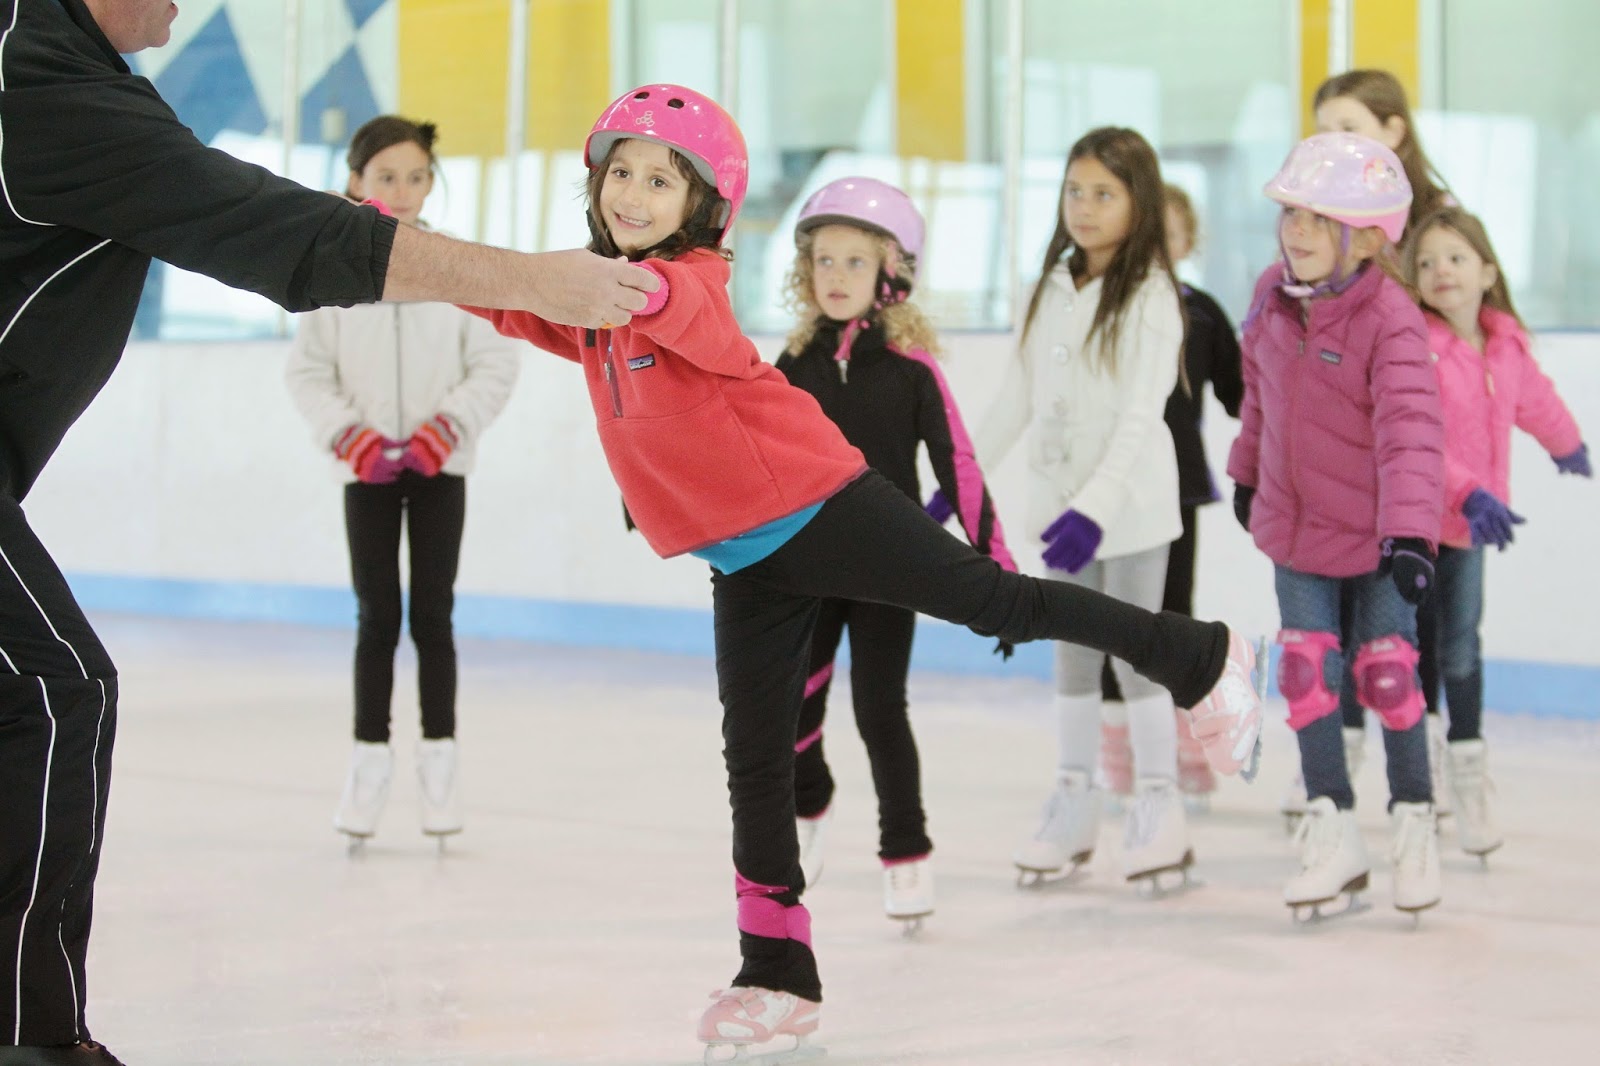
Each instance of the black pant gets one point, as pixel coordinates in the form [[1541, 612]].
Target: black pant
[[434, 510], [1178, 597], [58, 718], [871, 542], [880, 658]]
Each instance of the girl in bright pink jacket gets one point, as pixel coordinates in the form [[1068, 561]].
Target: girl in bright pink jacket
[[1488, 383], [1339, 471]]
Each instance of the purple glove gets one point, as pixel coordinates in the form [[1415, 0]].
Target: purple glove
[[1070, 542], [1576, 463], [1489, 519], [938, 507]]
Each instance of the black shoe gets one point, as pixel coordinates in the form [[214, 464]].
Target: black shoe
[[87, 1053]]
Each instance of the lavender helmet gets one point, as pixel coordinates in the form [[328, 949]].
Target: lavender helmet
[[870, 204], [1346, 177]]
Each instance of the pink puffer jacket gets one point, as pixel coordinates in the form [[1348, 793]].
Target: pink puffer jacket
[[1483, 396], [1341, 430]]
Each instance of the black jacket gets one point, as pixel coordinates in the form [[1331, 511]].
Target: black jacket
[[887, 402], [97, 177], [1210, 353]]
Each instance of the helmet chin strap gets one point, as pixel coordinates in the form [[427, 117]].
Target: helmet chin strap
[[891, 290], [1332, 285]]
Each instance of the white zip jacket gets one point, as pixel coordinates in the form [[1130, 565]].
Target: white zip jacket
[[394, 366], [1097, 441]]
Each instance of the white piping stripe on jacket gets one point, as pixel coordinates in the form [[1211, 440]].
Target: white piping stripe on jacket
[[44, 809], [32, 296], [49, 624], [16, 12]]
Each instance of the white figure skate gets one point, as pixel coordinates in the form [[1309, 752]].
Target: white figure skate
[[1227, 721], [908, 893], [1155, 842], [1066, 835], [366, 790], [813, 835], [1475, 822], [1416, 858], [1333, 863], [439, 791], [1439, 764], [759, 1027]]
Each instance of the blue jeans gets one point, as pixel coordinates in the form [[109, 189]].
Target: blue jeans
[[1453, 613], [1311, 602]]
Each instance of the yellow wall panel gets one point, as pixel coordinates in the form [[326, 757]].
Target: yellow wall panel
[[569, 75], [930, 79], [453, 59], [1387, 35], [1314, 42]]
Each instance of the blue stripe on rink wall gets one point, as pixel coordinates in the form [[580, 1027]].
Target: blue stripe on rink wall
[[1552, 690]]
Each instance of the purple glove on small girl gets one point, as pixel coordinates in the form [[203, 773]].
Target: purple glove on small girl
[[1489, 519], [1576, 463], [938, 507], [1071, 541]]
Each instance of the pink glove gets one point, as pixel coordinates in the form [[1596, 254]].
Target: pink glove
[[430, 446], [375, 458]]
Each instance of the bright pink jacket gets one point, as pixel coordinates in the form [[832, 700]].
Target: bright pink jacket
[[1483, 396], [1341, 432]]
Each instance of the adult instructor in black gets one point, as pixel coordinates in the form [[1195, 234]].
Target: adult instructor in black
[[97, 177]]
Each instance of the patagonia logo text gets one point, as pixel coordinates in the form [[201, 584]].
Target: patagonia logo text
[[639, 362], [1332, 357]]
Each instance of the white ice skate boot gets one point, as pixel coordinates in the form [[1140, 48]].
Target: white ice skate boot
[[757, 1025], [1293, 806], [812, 833], [1067, 831], [1355, 752], [908, 892], [1333, 863], [1155, 838], [1469, 775], [441, 797], [366, 790], [1439, 763], [1416, 857], [1227, 720]]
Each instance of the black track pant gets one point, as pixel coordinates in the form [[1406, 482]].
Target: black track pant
[[872, 542], [58, 716]]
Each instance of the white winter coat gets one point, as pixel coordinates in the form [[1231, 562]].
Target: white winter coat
[[1097, 441], [394, 366]]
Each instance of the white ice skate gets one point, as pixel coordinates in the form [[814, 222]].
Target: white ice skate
[[759, 1026], [1227, 720], [1155, 839], [1333, 863], [366, 790], [1439, 764], [1416, 858], [1355, 753], [1293, 806], [908, 893], [1475, 822], [813, 835], [1067, 831], [440, 794]]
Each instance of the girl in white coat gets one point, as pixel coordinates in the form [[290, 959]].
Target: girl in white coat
[[1098, 359], [399, 394]]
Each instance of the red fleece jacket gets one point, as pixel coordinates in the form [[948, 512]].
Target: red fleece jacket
[[705, 440]]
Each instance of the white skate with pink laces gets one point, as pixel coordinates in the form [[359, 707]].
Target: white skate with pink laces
[[759, 1027], [1227, 722]]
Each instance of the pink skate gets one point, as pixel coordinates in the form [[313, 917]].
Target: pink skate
[[1116, 759], [1227, 722], [759, 1027], [1195, 778]]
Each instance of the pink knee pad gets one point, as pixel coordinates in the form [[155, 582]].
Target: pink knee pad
[[1386, 681], [1300, 675]]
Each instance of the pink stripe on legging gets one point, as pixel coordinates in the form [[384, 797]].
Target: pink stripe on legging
[[817, 680], [808, 740], [761, 916]]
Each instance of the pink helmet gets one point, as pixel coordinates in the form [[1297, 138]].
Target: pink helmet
[[867, 202], [1348, 178], [692, 123]]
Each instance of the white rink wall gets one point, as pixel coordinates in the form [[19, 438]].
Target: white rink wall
[[192, 487]]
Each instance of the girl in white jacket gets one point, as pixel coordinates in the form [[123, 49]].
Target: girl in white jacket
[[399, 394], [1098, 359]]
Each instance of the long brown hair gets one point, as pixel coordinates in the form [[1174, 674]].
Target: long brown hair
[[1381, 93], [1470, 229], [383, 132], [699, 229], [904, 324], [1133, 162]]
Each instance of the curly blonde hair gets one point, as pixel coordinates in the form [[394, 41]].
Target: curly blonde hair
[[904, 324]]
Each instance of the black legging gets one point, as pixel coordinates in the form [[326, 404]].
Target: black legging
[[872, 542], [1178, 597], [435, 511], [880, 658]]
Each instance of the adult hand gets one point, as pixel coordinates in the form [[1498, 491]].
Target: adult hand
[[1071, 541], [938, 507], [1409, 562], [579, 288], [1489, 519], [1243, 496], [1576, 463]]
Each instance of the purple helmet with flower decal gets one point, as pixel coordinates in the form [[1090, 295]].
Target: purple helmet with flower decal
[[1348, 178]]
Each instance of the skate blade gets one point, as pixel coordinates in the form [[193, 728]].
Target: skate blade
[[355, 845], [910, 924], [768, 1054], [1310, 912], [1153, 885], [1034, 877]]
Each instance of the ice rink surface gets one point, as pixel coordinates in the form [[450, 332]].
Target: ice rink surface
[[587, 911]]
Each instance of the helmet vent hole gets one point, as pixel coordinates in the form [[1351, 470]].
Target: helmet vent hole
[[674, 102], [641, 96]]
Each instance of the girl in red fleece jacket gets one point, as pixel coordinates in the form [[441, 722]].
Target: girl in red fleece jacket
[[719, 456]]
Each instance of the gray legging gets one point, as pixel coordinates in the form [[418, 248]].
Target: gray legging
[[1139, 579]]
